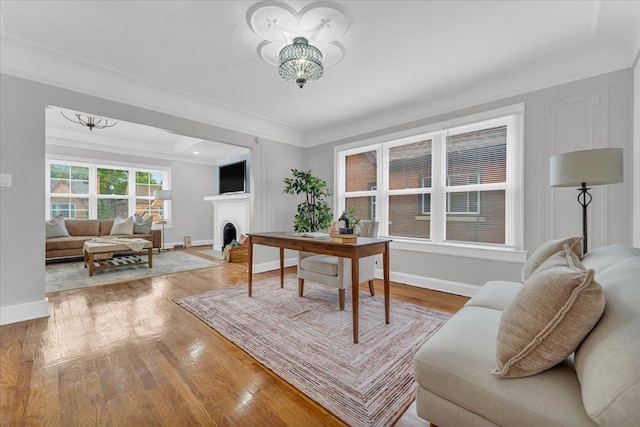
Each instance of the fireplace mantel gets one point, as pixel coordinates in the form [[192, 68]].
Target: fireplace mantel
[[233, 208]]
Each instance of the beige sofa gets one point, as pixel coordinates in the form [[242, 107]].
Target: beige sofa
[[598, 385], [81, 230]]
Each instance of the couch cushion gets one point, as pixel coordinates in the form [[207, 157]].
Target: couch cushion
[[547, 250], [557, 307], [83, 227], [105, 227], [71, 242], [608, 360], [599, 259], [455, 363], [323, 264], [122, 226], [56, 228], [496, 295]]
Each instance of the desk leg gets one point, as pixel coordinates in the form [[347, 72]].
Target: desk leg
[[355, 294], [150, 257], [385, 267], [282, 267], [250, 261]]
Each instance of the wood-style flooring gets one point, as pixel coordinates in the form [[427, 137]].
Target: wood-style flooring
[[127, 355]]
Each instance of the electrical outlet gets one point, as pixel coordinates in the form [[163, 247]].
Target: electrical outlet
[[5, 180]]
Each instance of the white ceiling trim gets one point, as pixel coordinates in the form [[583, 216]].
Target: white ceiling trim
[[57, 69], [47, 66]]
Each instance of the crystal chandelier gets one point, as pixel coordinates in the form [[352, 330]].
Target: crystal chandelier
[[90, 121], [300, 62]]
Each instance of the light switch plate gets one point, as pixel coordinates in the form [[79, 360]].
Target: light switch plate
[[5, 180]]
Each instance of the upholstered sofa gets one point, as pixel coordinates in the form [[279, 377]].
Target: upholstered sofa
[[81, 230], [599, 384]]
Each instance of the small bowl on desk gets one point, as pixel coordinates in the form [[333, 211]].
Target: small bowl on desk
[[346, 231]]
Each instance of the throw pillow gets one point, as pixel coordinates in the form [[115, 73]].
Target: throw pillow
[[546, 250], [142, 225], [554, 311], [56, 228], [122, 226]]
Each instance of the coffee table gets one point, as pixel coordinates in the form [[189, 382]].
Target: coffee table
[[96, 253]]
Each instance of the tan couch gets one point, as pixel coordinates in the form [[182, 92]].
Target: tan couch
[[598, 385], [81, 230]]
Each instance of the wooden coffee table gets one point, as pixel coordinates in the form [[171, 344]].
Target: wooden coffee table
[[96, 254]]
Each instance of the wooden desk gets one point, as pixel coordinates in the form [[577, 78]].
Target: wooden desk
[[364, 247]]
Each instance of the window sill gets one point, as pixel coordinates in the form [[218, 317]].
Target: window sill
[[455, 218], [493, 253]]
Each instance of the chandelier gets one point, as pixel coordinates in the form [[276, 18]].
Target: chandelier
[[300, 62], [286, 32], [90, 121]]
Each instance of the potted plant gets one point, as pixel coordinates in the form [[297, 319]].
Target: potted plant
[[313, 214]]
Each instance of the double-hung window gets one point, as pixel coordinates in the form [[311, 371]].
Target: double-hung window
[[82, 190], [459, 183]]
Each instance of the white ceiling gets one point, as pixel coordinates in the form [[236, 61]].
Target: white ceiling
[[404, 60], [135, 139]]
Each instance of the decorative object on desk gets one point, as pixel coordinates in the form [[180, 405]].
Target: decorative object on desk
[[354, 220], [343, 238], [582, 168], [364, 384], [344, 218], [313, 214]]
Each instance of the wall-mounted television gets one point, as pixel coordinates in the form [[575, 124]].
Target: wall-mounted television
[[232, 178]]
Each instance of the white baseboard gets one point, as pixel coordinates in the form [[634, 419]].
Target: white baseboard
[[457, 288], [274, 265], [409, 279], [202, 242], [21, 312], [171, 245]]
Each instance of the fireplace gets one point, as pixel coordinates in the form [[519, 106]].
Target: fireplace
[[231, 209], [228, 234]]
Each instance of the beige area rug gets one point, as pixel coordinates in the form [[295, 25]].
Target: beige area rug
[[308, 342], [72, 275]]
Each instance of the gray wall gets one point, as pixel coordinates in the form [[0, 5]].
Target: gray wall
[[590, 113], [636, 153], [22, 154]]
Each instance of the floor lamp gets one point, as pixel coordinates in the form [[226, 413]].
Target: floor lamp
[[162, 195], [582, 168]]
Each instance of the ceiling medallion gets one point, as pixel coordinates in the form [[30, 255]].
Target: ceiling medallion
[[90, 121], [300, 43]]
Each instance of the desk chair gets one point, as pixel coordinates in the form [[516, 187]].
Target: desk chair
[[334, 271]]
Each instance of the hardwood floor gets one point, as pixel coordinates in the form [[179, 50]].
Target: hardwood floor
[[126, 354]]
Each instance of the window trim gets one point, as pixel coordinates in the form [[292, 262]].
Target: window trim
[[93, 196], [514, 186]]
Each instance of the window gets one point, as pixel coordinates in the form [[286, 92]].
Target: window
[[67, 210], [81, 190], [467, 202], [457, 184]]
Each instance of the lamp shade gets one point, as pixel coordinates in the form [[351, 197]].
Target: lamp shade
[[162, 195], [592, 167]]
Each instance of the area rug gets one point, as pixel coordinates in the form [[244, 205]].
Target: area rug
[[73, 275], [213, 253], [308, 342]]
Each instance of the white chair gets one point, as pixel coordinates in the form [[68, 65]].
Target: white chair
[[334, 271]]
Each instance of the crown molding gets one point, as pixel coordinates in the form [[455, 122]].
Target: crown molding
[[32, 62]]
